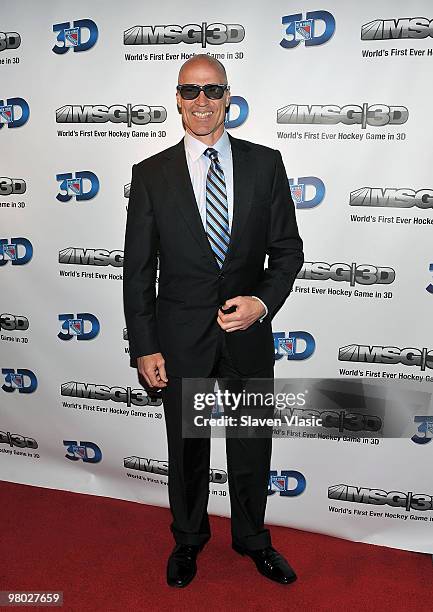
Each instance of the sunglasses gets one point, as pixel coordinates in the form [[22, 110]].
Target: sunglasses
[[211, 91]]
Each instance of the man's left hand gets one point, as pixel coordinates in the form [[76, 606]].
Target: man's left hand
[[248, 310]]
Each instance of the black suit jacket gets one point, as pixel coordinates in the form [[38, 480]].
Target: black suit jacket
[[163, 217]]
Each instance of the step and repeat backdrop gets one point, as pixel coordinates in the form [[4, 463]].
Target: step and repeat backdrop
[[342, 89]]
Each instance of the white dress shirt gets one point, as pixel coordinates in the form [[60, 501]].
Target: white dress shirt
[[198, 166]]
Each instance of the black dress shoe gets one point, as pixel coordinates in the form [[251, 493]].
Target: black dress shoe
[[270, 563], [182, 566]]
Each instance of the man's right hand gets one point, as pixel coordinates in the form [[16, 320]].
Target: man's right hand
[[152, 368]]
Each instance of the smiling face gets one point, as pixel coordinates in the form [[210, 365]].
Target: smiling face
[[203, 118]]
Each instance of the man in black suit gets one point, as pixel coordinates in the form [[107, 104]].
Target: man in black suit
[[212, 207]]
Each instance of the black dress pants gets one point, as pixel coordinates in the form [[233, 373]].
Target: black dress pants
[[248, 465]]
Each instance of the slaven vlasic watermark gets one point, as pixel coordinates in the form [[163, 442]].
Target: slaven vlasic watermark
[[308, 408]]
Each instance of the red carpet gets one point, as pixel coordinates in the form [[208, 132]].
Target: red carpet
[[110, 555]]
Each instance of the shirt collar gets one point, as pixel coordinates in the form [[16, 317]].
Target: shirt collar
[[195, 147]]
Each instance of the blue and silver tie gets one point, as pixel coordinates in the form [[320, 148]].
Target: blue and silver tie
[[217, 210]]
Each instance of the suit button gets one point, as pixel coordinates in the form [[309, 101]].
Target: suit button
[[220, 276]]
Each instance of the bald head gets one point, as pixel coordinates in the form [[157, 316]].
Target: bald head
[[200, 60], [203, 116]]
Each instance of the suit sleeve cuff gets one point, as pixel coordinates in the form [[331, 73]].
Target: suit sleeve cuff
[[264, 306]]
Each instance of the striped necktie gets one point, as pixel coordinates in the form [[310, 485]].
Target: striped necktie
[[217, 211]]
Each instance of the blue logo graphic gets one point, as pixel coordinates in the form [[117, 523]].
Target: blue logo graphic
[[304, 30], [18, 251], [429, 287], [81, 451], [6, 114], [85, 326], [14, 112], [21, 379], [296, 346], [72, 37], [82, 186], [307, 191], [235, 119], [283, 483], [425, 427], [81, 36], [316, 29]]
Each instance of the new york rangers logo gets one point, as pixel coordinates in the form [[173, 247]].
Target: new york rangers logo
[[72, 37], [10, 250], [15, 380], [425, 428], [74, 186], [82, 326], [304, 29], [14, 112], [289, 483], [278, 483], [82, 185], [293, 345], [76, 326], [6, 113], [17, 250], [287, 345], [297, 30], [297, 192], [78, 451], [21, 380], [79, 35]]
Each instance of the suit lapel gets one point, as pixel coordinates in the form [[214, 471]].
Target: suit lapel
[[179, 181], [181, 187], [243, 185]]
